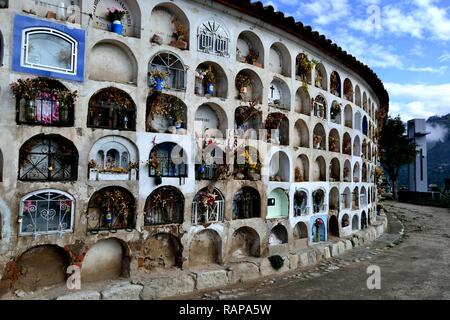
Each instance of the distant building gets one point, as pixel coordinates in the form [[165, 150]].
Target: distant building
[[417, 170]]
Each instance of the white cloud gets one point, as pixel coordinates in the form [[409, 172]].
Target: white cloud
[[418, 100], [444, 58], [324, 12], [437, 133]]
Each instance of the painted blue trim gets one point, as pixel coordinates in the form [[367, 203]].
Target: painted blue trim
[[313, 219], [25, 22]]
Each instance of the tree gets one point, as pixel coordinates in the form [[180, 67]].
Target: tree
[[396, 150]]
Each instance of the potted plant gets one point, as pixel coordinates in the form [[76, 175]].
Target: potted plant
[[65, 99], [242, 83], [335, 109], [304, 67], [158, 79], [26, 91], [252, 58], [179, 35], [115, 16]]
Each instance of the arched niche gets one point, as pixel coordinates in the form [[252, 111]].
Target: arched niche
[[205, 249], [208, 206], [321, 77], [363, 197], [333, 226], [319, 169], [113, 158], [48, 158], [364, 103], [280, 59], [334, 141], [355, 223], [303, 68], [106, 260], [358, 121], [336, 112], [166, 114], [347, 198], [335, 84], [280, 167], [111, 209], [364, 172], [320, 107], [364, 149], [335, 170], [301, 136], [348, 89], [303, 102], [301, 168], [211, 162], [278, 235], [279, 95], [162, 251], [319, 138], [364, 126], [211, 80], [210, 121], [318, 230], [358, 96], [170, 64], [355, 199], [250, 49], [356, 172], [112, 108], [246, 204], [1, 48], [131, 21], [41, 266], [247, 164], [357, 147], [363, 220], [1, 168], [112, 61], [348, 116], [347, 171], [345, 221], [245, 242], [300, 203], [333, 200], [249, 86], [278, 204], [170, 26], [347, 144], [277, 126], [213, 37], [164, 205]]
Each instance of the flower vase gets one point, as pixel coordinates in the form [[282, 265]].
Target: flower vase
[[109, 216], [159, 84], [63, 114], [210, 88], [30, 110], [178, 124], [117, 27]]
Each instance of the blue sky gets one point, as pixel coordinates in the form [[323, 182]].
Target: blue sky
[[406, 42]]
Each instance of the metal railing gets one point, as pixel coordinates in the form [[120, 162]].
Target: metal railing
[[208, 215], [301, 211]]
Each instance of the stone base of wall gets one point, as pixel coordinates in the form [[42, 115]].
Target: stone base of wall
[[245, 270]]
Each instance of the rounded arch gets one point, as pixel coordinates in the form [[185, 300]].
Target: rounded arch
[[112, 108], [279, 95], [318, 197], [347, 144], [205, 248], [162, 251], [165, 114], [211, 80], [358, 121], [246, 204], [356, 172], [48, 158], [41, 266], [277, 125], [171, 64], [364, 172], [336, 112], [245, 242], [333, 226], [357, 146], [347, 171], [110, 209], [303, 101], [249, 86], [303, 68], [319, 170], [278, 204], [355, 222], [358, 96], [333, 200], [364, 102], [334, 141], [300, 202], [111, 60], [302, 168], [280, 167], [321, 77], [280, 59], [250, 49], [345, 221], [164, 205], [355, 199], [106, 260], [247, 163], [365, 125], [278, 235], [170, 26], [348, 116], [301, 138], [208, 206], [335, 170], [211, 121], [335, 84], [131, 21], [300, 231], [320, 107], [318, 230], [247, 120], [319, 138], [348, 89]]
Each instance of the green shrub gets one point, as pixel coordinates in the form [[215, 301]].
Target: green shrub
[[277, 262]]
